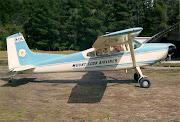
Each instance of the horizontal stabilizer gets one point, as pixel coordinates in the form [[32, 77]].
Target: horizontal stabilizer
[[23, 68]]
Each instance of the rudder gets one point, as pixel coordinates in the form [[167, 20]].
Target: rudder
[[16, 47]]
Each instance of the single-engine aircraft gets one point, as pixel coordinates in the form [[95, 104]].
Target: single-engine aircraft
[[112, 51]]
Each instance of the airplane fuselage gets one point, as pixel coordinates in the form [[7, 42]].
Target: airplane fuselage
[[113, 51], [147, 54]]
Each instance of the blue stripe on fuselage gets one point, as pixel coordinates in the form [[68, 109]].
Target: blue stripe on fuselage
[[31, 57], [116, 65], [43, 59], [65, 59], [78, 57]]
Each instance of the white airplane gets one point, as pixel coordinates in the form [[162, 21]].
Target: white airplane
[[113, 51]]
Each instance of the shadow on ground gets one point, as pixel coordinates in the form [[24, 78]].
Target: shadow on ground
[[89, 89], [17, 82]]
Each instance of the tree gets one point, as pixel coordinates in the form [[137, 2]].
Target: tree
[[7, 30], [75, 24], [43, 29]]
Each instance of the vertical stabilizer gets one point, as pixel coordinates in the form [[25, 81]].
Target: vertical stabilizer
[[13, 60], [20, 57]]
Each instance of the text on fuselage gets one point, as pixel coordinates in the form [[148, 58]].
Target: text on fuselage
[[93, 63]]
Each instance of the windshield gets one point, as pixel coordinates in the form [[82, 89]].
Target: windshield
[[136, 44]]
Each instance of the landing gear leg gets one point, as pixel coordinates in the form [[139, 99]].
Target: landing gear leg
[[141, 79], [136, 77]]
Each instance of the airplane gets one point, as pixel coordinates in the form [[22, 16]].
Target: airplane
[[113, 51]]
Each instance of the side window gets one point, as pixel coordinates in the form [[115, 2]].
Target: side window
[[91, 54], [101, 52], [136, 44], [118, 48]]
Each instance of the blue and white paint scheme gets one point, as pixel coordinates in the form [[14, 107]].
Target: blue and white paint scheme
[[131, 54]]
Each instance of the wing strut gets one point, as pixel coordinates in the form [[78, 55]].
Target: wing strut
[[138, 76], [138, 70], [131, 50]]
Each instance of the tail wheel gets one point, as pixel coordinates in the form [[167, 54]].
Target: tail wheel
[[145, 83]]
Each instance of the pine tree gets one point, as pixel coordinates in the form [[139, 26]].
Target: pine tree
[[75, 24]]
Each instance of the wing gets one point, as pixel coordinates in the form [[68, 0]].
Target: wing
[[116, 38], [119, 38]]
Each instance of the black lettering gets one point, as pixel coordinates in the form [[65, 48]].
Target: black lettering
[[115, 60]]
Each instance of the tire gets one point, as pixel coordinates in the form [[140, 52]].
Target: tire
[[136, 77], [145, 83]]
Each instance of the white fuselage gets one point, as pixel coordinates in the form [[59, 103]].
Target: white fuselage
[[109, 62]]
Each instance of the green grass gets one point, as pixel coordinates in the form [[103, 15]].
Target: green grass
[[3, 62], [167, 65], [12, 115], [39, 116]]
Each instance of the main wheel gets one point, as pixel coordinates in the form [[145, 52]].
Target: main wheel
[[145, 83], [136, 77]]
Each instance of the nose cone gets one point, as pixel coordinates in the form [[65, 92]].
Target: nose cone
[[172, 49]]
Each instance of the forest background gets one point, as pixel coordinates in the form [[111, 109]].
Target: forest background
[[75, 24]]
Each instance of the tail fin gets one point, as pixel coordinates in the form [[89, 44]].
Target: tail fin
[[16, 47], [20, 57]]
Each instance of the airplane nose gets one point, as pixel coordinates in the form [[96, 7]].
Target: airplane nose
[[172, 49]]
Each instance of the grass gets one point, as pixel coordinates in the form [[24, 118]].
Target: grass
[[167, 65], [3, 62], [161, 97], [39, 116], [12, 115], [3, 55]]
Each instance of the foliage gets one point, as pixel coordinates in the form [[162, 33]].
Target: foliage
[[75, 24]]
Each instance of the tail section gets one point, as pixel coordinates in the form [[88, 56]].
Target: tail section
[[21, 58], [16, 47]]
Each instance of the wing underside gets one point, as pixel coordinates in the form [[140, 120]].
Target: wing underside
[[116, 38], [124, 38]]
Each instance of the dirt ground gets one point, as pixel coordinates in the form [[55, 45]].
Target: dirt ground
[[90, 96]]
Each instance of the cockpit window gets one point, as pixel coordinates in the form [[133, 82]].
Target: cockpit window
[[101, 52], [136, 44], [91, 54], [117, 49], [113, 49], [98, 52]]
